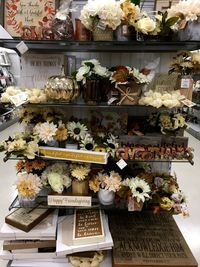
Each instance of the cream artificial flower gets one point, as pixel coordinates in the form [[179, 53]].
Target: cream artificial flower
[[76, 130], [31, 150], [146, 25], [139, 189], [28, 185], [56, 182], [80, 172], [16, 145], [112, 145], [46, 131], [113, 182]]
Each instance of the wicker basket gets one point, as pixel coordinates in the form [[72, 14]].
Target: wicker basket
[[102, 35]]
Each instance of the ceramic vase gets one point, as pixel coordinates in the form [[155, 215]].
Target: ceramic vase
[[106, 197]]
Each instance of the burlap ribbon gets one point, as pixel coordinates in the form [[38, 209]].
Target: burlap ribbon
[[126, 94]]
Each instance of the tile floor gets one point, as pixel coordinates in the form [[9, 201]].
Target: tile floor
[[188, 177]]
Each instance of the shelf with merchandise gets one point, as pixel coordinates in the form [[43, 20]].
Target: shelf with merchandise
[[102, 46]]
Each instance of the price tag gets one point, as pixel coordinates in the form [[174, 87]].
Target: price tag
[[112, 100], [188, 103], [121, 164], [19, 99], [185, 83], [101, 25], [22, 47]]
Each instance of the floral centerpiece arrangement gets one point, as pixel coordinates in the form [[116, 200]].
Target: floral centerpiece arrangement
[[185, 63], [21, 144], [57, 177], [128, 81], [106, 185], [168, 123], [157, 99], [28, 186], [35, 166], [80, 178], [102, 17], [157, 24], [94, 79], [188, 12], [126, 31], [165, 193]]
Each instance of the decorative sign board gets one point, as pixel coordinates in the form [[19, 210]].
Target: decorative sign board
[[28, 18], [26, 219], [74, 201], [73, 155], [88, 227], [147, 239]]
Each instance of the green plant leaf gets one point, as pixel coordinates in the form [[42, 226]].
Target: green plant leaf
[[170, 22]]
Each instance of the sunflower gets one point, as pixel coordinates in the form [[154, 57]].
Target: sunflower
[[77, 130], [88, 143], [112, 145], [139, 189], [100, 148]]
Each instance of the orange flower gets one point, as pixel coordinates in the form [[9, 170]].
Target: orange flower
[[19, 166]]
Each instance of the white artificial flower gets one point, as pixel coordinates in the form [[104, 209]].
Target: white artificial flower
[[46, 131], [56, 182], [31, 150], [146, 25], [82, 71], [101, 71], [77, 130], [139, 189], [95, 62]]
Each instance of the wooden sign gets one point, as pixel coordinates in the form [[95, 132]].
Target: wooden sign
[[164, 82], [74, 155], [74, 201], [26, 219], [28, 18], [88, 227], [147, 239], [28, 244]]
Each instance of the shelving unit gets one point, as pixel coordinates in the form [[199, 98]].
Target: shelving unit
[[107, 46]]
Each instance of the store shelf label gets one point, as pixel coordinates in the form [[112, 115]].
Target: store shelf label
[[73, 155], [121, 164], [73, 201], [22, 47]]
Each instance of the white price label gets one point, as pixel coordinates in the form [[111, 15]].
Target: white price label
[[112, 100], [22, 47], [121, 164], [101, 26], [185, 83], [19, 99]]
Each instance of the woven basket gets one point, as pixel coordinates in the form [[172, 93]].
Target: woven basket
[[102, 35]]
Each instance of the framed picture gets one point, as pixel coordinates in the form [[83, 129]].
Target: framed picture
[[27, 19], [162, 5]]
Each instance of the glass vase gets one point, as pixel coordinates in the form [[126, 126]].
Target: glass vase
[[26, 202]]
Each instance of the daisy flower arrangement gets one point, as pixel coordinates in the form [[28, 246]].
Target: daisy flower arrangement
[[139, 188]]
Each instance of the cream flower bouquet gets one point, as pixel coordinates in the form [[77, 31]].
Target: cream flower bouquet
[[101, 15]]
